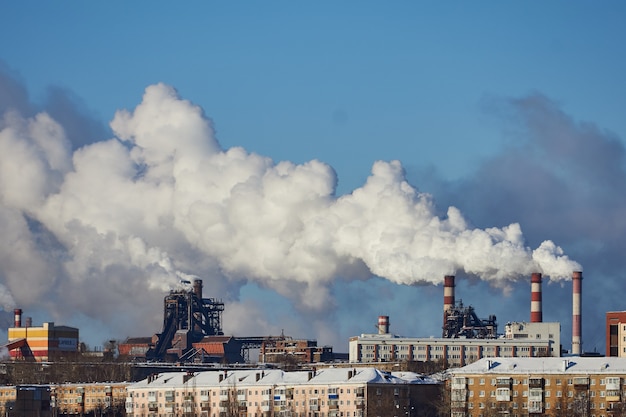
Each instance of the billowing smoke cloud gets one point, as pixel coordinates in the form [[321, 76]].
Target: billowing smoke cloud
[[558, 176], [91, 228]]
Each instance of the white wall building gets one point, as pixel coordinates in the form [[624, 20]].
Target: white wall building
[[327, 392]]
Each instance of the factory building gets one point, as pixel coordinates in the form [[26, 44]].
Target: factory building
[[41, 344], [299, 351], [616, 333], [330, 392], [467, 338], [192, 332], [575, 386]]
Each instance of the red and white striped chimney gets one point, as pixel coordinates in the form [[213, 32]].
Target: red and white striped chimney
[[17, 315], [577, 285], [448, 295], [383, 324], [536, 315]]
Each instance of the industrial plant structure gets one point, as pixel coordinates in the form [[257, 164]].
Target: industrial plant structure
[[288, 350], [467, 338], [42, 344], [192, 332], [187, 319]]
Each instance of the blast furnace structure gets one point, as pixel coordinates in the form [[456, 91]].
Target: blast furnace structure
[[187, 319]]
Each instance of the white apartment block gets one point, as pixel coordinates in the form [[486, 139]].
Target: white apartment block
[[328, 392], [368, 348]]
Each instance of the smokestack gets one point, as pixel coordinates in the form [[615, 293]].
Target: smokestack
[[383, 324], [197, 291], [197, 288], [535, 298], [577, 284], [18, 317], [448, 295], [28, 322]]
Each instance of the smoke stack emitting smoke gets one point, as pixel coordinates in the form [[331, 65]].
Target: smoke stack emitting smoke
[[162, 200], [536, 308]]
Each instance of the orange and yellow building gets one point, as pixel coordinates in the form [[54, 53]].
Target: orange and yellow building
[[41, 344]]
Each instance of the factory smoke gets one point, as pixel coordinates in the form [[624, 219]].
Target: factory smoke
[[89, 227]]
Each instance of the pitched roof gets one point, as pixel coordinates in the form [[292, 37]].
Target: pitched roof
[[265, 377], [549, 365]]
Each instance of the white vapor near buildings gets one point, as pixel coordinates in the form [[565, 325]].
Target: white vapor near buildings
[[94, 230]]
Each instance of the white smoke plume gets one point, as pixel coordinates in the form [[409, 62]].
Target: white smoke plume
[[112, 219]]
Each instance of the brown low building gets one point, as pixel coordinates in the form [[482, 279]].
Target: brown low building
[[301, 351]]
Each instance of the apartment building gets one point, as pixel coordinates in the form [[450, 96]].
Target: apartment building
[[327, 392], [616, 333], [67, 399], [516, 387], [368, 348]]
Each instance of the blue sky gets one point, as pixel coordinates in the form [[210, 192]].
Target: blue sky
[[510, 112]]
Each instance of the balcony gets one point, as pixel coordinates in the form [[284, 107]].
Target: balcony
[[535, 406], [153, 406], [205, 406], [581, 383], [458, 383], [613, 395], [504, 382], [459, 394], [612, 384]]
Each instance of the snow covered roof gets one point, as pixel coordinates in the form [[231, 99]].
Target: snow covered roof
[[550, 365], [271, 377]]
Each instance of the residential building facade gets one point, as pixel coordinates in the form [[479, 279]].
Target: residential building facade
[[456, 352], [516, 387], [616, 333], [330, 392], [67, 399]]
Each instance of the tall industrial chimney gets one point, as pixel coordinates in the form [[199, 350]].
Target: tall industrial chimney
[[197, 288], [17, 313], [577, 285], [448, 295], [383, 324], [535, 298]]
